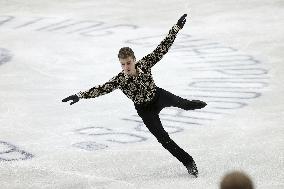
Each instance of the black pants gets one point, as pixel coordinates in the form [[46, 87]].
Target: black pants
[[150, 115]]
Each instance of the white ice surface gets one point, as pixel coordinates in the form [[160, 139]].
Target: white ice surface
[[229, 54]]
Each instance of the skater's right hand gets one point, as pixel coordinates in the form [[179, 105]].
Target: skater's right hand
[[182, 21], [74, 99]]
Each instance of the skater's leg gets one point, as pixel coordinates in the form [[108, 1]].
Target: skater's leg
[[153, 123], [167, 99]]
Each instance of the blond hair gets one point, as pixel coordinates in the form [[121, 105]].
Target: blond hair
[[125, 52]]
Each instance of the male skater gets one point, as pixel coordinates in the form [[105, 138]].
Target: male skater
[[136, 82]]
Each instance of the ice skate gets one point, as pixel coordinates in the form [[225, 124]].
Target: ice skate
[[192, 169]]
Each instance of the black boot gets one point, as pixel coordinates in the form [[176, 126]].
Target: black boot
[[192, 169], [194, 104]]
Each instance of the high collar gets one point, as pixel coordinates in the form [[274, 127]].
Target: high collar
[[129, 76]]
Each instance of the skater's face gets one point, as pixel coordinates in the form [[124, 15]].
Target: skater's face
[[128, 65]]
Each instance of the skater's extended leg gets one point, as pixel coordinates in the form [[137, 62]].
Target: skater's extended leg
[[168, 99]]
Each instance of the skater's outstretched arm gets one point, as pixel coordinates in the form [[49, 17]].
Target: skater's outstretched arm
[[151, 59], [96, 91]]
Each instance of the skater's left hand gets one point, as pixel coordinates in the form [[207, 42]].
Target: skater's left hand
[[74, 99], [182, 21]]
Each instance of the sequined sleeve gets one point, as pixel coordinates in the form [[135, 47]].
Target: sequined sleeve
[[99, 90], [151, 59]]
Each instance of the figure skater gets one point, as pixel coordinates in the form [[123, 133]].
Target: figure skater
[[136, 82]]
